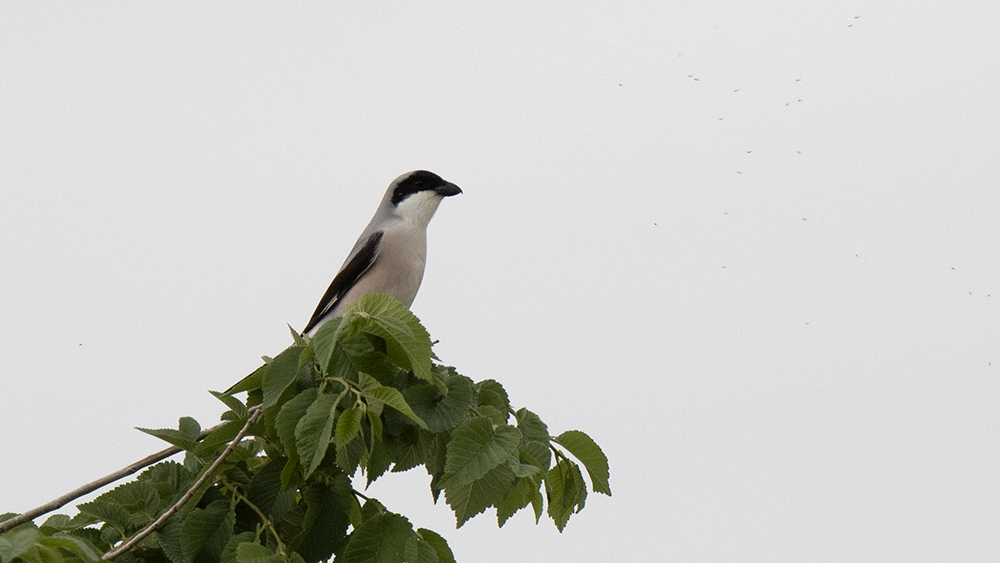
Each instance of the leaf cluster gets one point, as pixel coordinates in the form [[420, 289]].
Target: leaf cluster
[[362, 395]]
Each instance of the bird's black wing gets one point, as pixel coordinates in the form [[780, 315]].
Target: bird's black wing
[[346, 279]]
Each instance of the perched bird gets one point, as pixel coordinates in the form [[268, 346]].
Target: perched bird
[[389, 256]]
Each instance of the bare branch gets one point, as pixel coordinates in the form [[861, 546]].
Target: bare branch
[[187, 496], [58, 503]]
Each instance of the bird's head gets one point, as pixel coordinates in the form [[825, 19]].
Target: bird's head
[[415, 196]]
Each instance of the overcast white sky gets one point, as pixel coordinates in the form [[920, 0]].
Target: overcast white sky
[[750, 247]]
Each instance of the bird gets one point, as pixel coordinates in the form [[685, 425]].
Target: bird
[[390, 254]]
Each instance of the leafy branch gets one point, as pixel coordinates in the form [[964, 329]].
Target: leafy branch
[[362, 395], [69, 497], [188, 495], [265, 520]]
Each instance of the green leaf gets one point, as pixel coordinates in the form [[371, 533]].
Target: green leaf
[[340, 365], [419, 551], [56, 523], [206, 531], [434, 448], [17, 542], [174, 437], [289, 416], [439, 410], [280, 374], [491, 412], [313, 432], [255, 397], [469, 499], [296, 337], [348, 425], [493, 394], [566, 491], [520, 495], [324, 526], [307, 355], [532, 427], [409, 449], [590, 455], [536, 505], [290, 474], [255, 553], [355, 513], [381, 539], [244, 451], [251, 381], [526, 469], [476, 448], [534, 439], [361, 355], [216, 439], [536, 453], [352, 455], [265, 489], [93, 537], [376, 423], [325, 340], [439, 543], [190, 427], [234, 404], [80, 547], [42, 554], [229, 553], [169, 538], [112, 513], [394, 399], [367, 382], [382, 456], [407, 341], [170, 480], [139, 498]]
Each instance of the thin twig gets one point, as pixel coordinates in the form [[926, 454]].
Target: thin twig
[[187, 496], [265, 521], [58, 503]]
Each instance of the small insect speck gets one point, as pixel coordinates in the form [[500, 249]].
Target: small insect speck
[[738, 172], [798, 80], [736, 90], [748, 152]]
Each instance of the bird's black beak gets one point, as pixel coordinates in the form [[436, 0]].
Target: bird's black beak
[[448, 189]]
